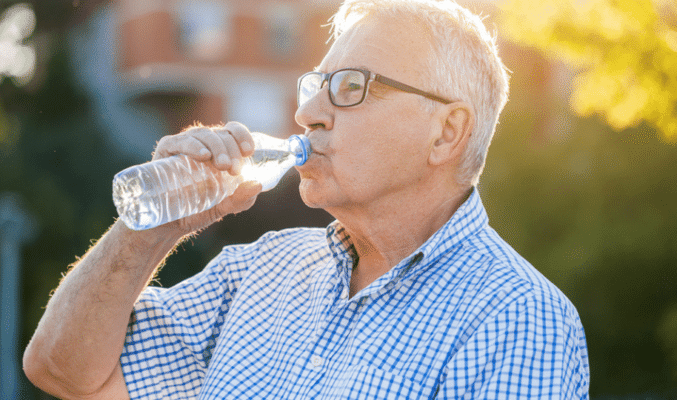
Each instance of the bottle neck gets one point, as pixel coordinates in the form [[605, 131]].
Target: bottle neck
[[300, 146]]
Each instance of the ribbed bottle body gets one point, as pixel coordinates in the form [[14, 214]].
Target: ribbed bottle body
[[161, 191], [165, 190]]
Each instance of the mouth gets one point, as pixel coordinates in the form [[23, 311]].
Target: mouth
[[312, 159], [312, 163], [315, 148], [315, 153]]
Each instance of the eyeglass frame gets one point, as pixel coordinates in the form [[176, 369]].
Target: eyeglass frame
[[369, 77]]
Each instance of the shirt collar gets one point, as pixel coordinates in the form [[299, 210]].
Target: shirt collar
[[470, 218], [339, 243]]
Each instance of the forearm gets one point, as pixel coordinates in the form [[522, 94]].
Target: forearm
[[76, 348], [80, 337]]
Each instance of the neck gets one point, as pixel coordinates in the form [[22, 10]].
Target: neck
[[384, 234]]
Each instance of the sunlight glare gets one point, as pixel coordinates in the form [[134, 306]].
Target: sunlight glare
[[16, 59]]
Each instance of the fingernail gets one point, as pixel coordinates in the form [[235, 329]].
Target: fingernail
[[204, 152], [246, 147], [223, 159]]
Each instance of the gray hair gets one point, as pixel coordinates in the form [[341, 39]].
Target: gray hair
[[464, 64]]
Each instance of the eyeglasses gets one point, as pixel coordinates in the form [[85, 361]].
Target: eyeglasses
[[348, 86]]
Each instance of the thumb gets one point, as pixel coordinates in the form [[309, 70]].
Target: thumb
[[242, 199]]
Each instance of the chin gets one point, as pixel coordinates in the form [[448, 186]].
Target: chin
[[311, 200], [312, 194]]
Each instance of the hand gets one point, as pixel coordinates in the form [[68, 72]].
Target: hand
[[222, 147]]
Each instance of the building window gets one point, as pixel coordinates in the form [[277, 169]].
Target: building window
[[282, 29], [260, 105], [204, 28]]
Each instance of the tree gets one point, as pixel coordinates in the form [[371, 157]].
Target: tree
[[624, 53], [587, 207]]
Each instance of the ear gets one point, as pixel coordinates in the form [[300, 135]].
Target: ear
[[450, 136]]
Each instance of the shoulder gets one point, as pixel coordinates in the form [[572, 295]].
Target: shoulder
[[275, 246], [499, 279], [509, 306], [279, 242], [299, 238]]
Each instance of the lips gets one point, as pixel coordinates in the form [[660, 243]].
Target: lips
[[312, 159], [315, 144], [312, 163]]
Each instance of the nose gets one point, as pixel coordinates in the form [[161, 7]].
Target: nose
[[316, 113]]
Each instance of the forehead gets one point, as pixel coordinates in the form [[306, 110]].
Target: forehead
[[394, 48]]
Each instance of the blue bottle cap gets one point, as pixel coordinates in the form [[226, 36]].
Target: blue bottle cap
[[304, 145]]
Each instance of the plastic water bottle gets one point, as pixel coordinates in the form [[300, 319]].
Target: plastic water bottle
[[161, 191]]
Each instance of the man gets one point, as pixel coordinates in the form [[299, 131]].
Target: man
[[408, 294]]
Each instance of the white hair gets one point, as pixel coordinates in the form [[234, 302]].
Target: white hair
[[463, 65]]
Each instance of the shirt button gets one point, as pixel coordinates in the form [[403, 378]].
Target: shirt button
[[344, 294], [316, 361]]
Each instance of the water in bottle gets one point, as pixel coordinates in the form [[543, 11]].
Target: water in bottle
[[171, 188]]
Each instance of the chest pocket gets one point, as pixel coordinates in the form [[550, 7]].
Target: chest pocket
[[365, 382]]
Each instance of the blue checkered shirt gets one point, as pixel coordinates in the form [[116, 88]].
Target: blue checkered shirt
[[463, 317]]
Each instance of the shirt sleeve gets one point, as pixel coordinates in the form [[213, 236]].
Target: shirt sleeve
[[172, 332], [532, 349]]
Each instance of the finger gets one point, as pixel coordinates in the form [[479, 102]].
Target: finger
[[223, 148], [181, 144], [242, 199], [232, 152], [242, 136], [246, 190]]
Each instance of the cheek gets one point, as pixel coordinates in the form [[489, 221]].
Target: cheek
[[370, 152], [360, 170]]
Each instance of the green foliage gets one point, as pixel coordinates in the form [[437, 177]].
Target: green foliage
[[594, 211], [666, 334], [625, 53], [57, 160], [602, 203]]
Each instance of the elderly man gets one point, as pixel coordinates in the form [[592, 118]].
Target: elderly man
[[408, 294]]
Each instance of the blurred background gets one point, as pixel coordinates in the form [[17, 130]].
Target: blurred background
[[580, 178]]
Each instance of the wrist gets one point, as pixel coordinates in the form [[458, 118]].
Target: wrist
[[161, 238]]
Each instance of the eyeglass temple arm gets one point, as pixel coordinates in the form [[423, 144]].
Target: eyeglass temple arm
[[410, 89]]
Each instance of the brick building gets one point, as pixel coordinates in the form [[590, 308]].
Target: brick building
[[218, 60]]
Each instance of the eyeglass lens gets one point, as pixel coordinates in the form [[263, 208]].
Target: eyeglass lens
[[309, 85], [346, 87]]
